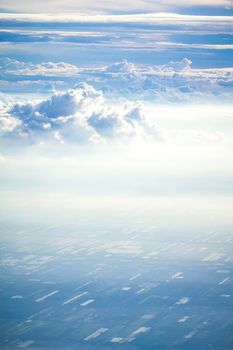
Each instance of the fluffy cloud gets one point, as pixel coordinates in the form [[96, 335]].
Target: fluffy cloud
[[78, 115], [8, 124], [179, 66], [175, 81], [9, 66], [124, 67]]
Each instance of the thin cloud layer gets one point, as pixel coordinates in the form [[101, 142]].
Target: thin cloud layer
[[106, 6], [141, 36], [162, 19]]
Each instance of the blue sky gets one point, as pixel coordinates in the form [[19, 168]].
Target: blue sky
[[95, 33]]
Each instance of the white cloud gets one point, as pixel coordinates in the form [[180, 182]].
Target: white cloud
[[210, 23], [179, 66], [15, 67], [121, 67], [161, 19], [164, 44], [176, 81], [103, 6], [8, 124], [78, 115]]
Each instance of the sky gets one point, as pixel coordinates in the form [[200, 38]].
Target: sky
[[115, 98]]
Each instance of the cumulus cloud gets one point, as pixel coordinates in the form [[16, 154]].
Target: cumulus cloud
[[78, 115], [9, 66], [179, 66], [175, 81], [8, 124], [121, 67]]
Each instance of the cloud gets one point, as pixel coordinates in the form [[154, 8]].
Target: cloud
[[107, 38], [8, 124], [179, 66], [34, 36], [176, 81], [106, 6], [9, 66], [161, 19], [163, 44], [159, 41], [78, 115], [31, 86], [121, 67]]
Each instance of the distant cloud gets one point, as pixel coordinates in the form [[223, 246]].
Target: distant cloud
[[15, 67], [162, 19], [106, 38], [175, 81], [179, 66], [106, 6], [160, 41], [121, 67]]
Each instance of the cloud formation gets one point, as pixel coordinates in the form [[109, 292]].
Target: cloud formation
[[106, 6], [146, 37], [176, 81], [162, 19], [78, 115], [9, 66]]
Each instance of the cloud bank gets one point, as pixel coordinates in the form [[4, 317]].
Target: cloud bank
[[163, 19], [176, 81]]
